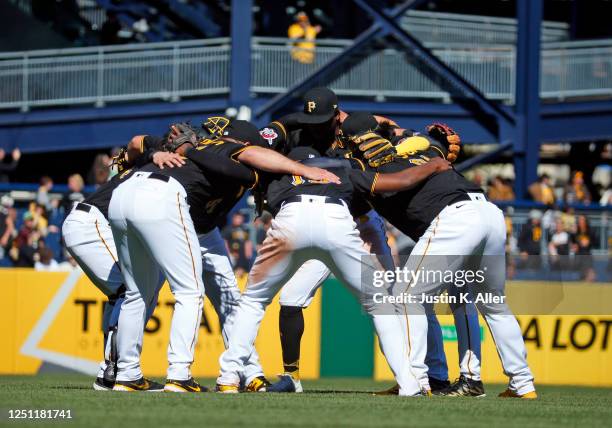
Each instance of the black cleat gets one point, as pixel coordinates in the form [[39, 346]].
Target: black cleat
[[141, 384], [437, 384], [189, 385], [102, 384], [464, 387]]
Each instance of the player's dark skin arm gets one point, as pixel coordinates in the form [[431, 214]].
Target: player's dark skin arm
[[409, 177]]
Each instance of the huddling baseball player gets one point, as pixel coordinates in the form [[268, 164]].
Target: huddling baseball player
[[313, 221], [156, 216], [88, 238], [455, 228], [318, 126]]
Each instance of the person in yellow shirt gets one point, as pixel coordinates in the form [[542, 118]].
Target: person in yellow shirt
[[304, 49]]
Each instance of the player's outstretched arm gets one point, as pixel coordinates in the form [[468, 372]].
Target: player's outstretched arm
[[271, 161], [409, 177]]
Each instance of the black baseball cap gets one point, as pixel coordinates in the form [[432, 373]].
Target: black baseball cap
[[356, 123], [302, 153], [320, 105], [244, 131]]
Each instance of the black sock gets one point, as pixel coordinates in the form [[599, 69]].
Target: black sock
[[291, 326]]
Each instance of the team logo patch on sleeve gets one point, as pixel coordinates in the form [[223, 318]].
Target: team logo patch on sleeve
[[269, 135]]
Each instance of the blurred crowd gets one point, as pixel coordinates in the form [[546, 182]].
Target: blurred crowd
[[548, 192]]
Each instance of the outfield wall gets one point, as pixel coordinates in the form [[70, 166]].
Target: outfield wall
[[52, 320]]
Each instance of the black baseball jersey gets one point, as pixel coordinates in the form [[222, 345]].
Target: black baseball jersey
[[211, 194], [102, 196], [412, 211], [285, 134], [100, 199], [355, 182]]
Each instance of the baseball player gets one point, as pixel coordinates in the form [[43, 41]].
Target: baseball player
[[317, 126], [448, 215], [155, 218], [89, 240], [313, 221]]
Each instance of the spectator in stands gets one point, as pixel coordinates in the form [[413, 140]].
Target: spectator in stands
[[576, 192], [69, 263], [262, 224], [239, 245], [42, 196], [303, 50], [109, 33], [559, 245], [24, 249], [542, 191], [7, 224], [46, 261], [581, 246], [500, 190], [8, 167], [606, 197], [75, 189], [100, 170], [530, 241]]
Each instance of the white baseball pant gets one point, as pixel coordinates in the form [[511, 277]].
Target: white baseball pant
[[89, 239], [471, 230], [223, 292], [301, 231], [302, 287], [154, 232]]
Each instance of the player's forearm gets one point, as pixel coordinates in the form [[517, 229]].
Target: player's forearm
[[270, 161], [409, 177]]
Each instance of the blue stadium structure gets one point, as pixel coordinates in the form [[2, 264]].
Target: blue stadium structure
[[523, 86]]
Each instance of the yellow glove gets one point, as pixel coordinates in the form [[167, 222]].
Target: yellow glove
[[410, 145]]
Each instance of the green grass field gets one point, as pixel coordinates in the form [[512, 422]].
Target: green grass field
[[327, 402]]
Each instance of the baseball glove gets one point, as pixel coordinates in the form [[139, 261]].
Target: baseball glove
[[445, 135], [180, 133], [370, 146], [120, 161]]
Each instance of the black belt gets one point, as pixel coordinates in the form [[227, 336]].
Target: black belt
[[158, 176], [464, 197], [305, 198], [83, 207]]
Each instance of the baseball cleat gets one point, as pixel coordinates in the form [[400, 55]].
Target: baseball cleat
[[394, 390], [141, 384], [189, 385], [103, 385], [259, 384], [464, 387], [531, 395], [437, 384], [227, 389], [286, 383]]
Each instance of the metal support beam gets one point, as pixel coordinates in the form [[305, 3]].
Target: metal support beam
[[527, 108], [337, 64], [240, 73], [475, 101]]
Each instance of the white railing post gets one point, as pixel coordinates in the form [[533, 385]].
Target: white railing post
[[100, 80], [175, 74], [24, 85]]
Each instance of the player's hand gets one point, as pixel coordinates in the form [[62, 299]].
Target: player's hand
[[163, 159], [439, 165], [319, 174]]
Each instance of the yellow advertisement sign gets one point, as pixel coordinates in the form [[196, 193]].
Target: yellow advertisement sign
[[55, 318]]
